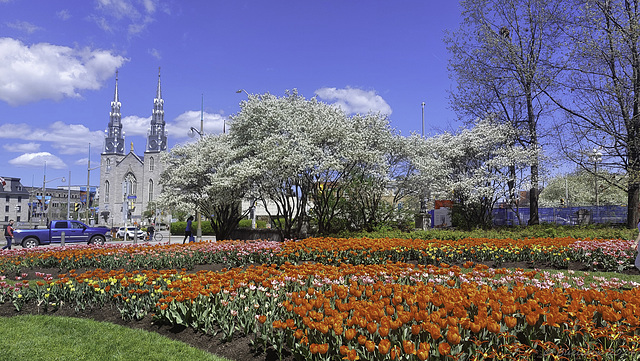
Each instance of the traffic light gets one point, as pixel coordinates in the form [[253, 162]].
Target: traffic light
[[76, 207], [562, 202]]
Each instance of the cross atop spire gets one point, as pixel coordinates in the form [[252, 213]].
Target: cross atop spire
[[159, 92], [116, 98]]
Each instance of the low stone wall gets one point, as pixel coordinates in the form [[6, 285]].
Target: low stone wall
[[253, 234]]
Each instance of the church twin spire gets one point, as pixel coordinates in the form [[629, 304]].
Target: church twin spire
[[156, 136], [114, 138]]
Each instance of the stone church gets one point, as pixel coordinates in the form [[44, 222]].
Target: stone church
[[128, 181]]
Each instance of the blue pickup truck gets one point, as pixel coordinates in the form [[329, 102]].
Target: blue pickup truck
[[74, 231]]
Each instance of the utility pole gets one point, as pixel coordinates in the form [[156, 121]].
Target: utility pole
[[86, 210], [198, 216], [422, 120]]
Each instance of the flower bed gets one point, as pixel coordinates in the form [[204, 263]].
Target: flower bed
[[358, 302]]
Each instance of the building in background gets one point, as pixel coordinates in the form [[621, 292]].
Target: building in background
[[24, 204], [15, 200], [129, 183]]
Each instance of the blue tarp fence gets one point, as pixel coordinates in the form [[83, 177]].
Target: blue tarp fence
[[562, 216]]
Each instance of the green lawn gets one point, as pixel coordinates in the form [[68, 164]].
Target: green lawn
[[51, 338]]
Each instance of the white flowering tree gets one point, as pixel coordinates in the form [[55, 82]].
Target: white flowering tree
[[302, 155], [202, 176], [472, 167]]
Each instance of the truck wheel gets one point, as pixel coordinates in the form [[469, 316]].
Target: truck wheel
[[99, 240], [30, 243]]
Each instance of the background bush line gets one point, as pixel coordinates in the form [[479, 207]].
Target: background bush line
[[593, 231]]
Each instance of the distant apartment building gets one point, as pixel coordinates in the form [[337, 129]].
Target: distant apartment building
[[31, 207]]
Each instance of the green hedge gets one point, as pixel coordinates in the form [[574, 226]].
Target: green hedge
[[177, 228], [539, 231], [246, 223]]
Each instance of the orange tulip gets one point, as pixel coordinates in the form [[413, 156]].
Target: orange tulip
[[353, 355], [453, 337], [444, 348], [370, 346], [383, 331], [434, 331], [343, 350], [323, 348], [532, 318], [408, 347], [383, 346], [511, 322], [494, 327], [350, 334], [423, 355], [362, 340], [372, 327], [395, 352]]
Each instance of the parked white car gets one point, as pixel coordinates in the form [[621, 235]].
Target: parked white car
[[131, 231]]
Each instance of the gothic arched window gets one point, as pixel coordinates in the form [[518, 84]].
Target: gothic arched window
[[130, 184], [150, 190], [151, 164], [106, 192], [108, 165]]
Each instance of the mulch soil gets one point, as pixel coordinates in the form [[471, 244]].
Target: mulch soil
[[238, 349]]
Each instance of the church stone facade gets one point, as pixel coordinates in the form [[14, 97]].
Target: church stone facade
[[128, 181]]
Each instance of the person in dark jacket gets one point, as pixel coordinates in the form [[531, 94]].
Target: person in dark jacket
[[187, 231], [8, 234]]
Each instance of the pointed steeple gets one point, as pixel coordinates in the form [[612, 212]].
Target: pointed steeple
[[159, 91], [157, 136], [116, 98], [114, 138]]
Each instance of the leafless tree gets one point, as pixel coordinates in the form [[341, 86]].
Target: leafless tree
[[503, 58], [601, 91]]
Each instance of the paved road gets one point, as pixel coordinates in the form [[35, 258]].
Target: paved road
[[166, 238]]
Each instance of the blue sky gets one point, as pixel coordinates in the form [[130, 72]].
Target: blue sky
[[58, 61]]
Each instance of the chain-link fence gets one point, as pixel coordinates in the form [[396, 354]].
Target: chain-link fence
[[562, 216]]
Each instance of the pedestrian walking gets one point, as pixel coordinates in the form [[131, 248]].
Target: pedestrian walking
[[8, 234], [150, 231], [187, 230]]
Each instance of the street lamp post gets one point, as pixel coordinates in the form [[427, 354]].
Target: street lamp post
[[89, 169], [69, 196], [596, 157], [44, 190], [192, 133], [423, 104]]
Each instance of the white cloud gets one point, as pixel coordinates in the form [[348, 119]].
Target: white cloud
[[115, 14], [135, 125], [38, 160], [66, 138], [155, 53], [22, 147], [212, 123], [46, 71], [354, 100], [25, 26], [63, 14], [81, 161]]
